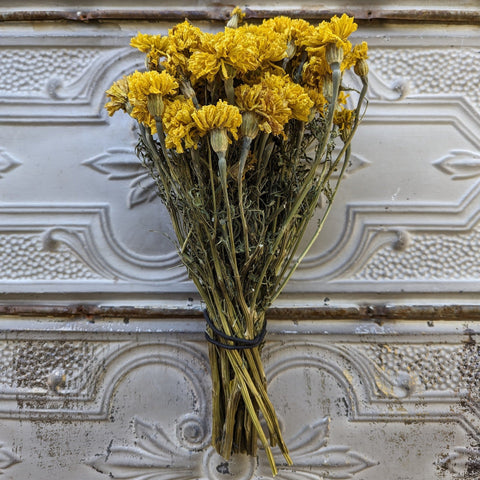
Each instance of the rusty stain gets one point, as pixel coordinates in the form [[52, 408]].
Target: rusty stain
[[377, 313], [221, 14]]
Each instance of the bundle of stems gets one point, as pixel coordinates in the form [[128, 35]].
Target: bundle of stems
[[240, 210]]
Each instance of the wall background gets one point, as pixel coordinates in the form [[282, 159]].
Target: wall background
[[371, 354]]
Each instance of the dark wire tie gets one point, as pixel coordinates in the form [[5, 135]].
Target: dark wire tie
[[238, 343]]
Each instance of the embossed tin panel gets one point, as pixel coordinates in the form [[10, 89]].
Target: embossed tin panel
[[371, 358]]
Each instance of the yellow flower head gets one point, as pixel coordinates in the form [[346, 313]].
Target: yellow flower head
[[268, 105], [233, 50], [184, 36], [183, 39], [118, 94], [335, 32], [279, 24], [275, 101], [144, 86], [271, 45], [237, 11], [155, 46], [295, 96], [344, 118], [150, 83], [178, 124], [315, 71], [358, 52], [221, 116], [340, 29], [294, 30], [301, 30], [318, 99]]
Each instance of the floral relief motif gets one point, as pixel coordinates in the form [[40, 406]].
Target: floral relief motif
[[7, 458], [460, 164], [122, 164], [157, 456], [7, 162], [463, 463]]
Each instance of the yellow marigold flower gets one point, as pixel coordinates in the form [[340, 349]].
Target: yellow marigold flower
[[275, 100], [315, 71], [294, 30], [358, 52], [155, 46], [317, 97], [340, 29], [204, 65], [280, 24], [301, 30], [161, 83], [222, 116], [297, 99], [237, 11], [271, 44], [145, 85], [145, 42], [335, 32], [183, 39], [269, 100], [226, 52], [185, 36], [179, 126], [269, 106], [343, 118], [118, 94]]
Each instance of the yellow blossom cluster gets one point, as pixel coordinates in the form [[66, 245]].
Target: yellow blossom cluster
[[277, 71]]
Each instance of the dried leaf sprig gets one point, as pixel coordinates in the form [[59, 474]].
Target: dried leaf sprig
[[226, 124]]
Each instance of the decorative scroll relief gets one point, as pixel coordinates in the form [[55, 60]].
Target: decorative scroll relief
[[65, 376], [419, 254], [380, 386], [427, 256], [431, 71], [24, 257], [419, 368], [35, 367], [349, 403], [74, 243], [369, 230], [26, 72], [65, 84], [155, 455], [56, 377]]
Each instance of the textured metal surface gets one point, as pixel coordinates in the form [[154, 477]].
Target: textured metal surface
[[361, 14], [372, 353], [377, 312], [356, 400], [70, 216]]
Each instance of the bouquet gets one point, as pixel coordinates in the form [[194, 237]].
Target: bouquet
[[242, 131]]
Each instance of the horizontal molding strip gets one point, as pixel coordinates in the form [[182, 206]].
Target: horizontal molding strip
[[369, 312], [415, 15]]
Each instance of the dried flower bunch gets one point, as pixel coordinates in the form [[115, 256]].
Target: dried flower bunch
[[226, 122]]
